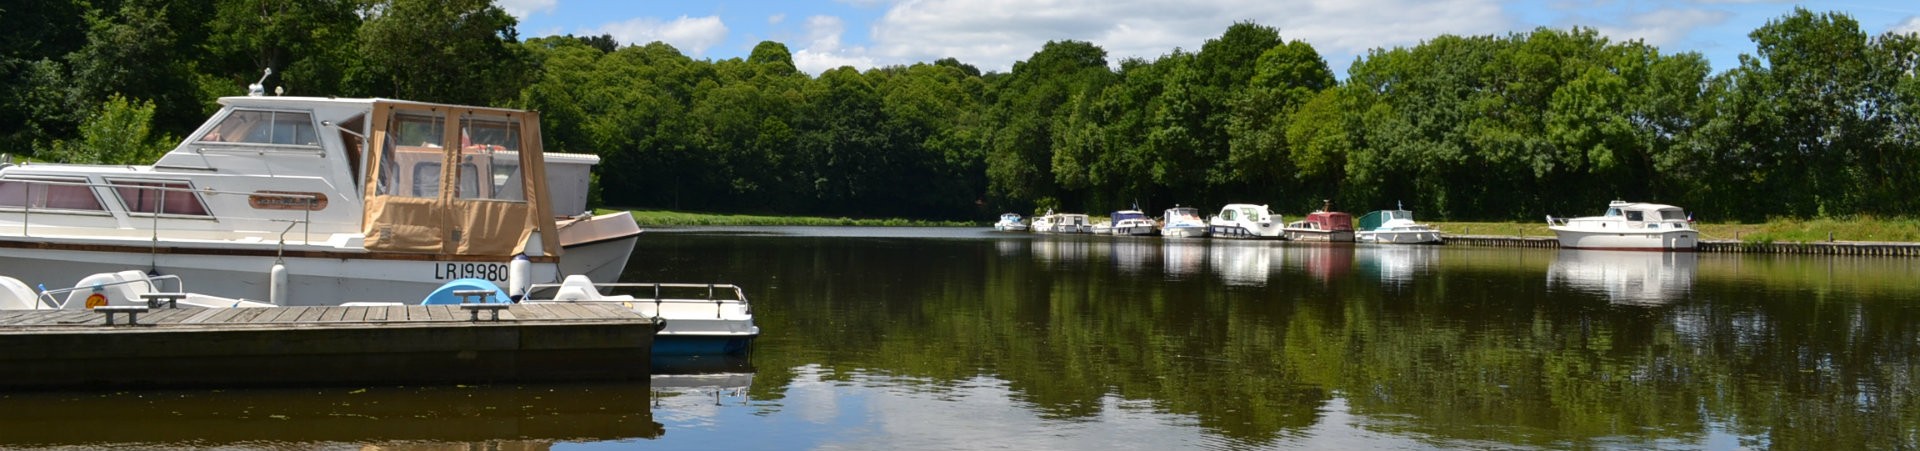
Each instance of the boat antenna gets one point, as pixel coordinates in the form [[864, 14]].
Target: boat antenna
[[259, 88]]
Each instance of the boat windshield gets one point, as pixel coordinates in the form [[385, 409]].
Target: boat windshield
[[1613, 212], [1673, 214]]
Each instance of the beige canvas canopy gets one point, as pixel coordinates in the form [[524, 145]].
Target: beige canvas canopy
[[456, 180]]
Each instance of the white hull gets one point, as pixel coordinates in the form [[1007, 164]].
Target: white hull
[[1256, 232], [1624, 239], [311, 281], [1140, 230], [1007, 228], [1184, 232], [1337, 236], [1401, 237]]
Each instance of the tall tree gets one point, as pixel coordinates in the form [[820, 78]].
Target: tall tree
[[453, 51]]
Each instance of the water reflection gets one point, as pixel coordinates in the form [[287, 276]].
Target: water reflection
[[487, 417], [1398, 264], [1324, 261], [1245, 263], [1183, 259], [1626, 278], [1062, 249], [694, 389], [1136, 256]]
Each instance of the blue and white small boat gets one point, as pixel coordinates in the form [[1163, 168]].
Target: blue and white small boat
[[1011, 222], [1132, 222], [701, 319]]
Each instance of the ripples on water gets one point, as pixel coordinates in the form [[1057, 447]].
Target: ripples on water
[[937, 338]]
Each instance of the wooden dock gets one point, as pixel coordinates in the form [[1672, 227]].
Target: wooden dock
[[299, 346]]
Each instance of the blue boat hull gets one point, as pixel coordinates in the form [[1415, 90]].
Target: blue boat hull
[[700, 345]]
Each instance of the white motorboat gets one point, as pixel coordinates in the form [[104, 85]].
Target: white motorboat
[[1245, 221], [1182, 222], [701, 319], [1010, 222], [1063, 223], [1132, 223], [1629, 226], [1323, 225], [119, 288], [1395, 227], [336, 199]]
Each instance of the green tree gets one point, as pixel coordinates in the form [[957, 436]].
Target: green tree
[[452, 51], [118, 132], [309, 44]]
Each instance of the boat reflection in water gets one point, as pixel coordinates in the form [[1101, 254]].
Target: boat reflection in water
[[1057, 249], [1324, 261], [486, 417], [1245, 263], [1183, 259], [1625, 277], [1135, 255], [694, 389], [1397, 265]]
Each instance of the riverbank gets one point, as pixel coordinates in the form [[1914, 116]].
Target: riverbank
[[657, 218]]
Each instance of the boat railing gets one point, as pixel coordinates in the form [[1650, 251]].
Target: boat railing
[[57, 298], [26, 205], [660, 294]]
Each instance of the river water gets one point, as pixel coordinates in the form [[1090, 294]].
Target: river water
[[944, 338]]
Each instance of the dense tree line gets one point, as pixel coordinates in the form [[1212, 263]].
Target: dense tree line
[[1823, 120]]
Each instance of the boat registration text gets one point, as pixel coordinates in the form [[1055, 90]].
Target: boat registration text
[[496, 272]]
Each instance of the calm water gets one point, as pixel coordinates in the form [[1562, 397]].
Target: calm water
[[963, 339]]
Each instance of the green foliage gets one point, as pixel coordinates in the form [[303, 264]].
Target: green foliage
[[118, 132], [1822, 121]]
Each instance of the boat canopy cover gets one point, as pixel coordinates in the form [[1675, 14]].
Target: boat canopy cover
[[1127, 214], [1373, 220], [1331, 220], [456, 180]]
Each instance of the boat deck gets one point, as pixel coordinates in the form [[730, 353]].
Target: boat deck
[[300, 346]]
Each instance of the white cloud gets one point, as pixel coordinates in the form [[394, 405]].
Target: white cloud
[[522, 8], [823, 51], [693, 35], [1911, 25], [1664, 27], [776, 18], [993, 34]]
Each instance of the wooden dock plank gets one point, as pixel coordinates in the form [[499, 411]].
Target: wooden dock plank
[[223, 316], [536, 312], [279, 315], [334, 314], [434, 313], [574, 312], [249, 314], [396, 313], [168, 315], [309, 314], [201, 316]]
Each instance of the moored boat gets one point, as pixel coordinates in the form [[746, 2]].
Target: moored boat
[[1132, 223], [1322, 225], [1182, 222], [1063, 223], [1629, 226], [1395, 227], [1245, 221], [701, 319], [333, 198], [1010, 222]]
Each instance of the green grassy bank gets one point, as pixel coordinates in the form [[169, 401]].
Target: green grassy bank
[[682, 218]]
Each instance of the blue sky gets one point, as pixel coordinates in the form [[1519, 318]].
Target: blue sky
[[993, 34]]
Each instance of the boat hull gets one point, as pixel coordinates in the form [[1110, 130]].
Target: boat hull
[[1010, 227], [1681, 240], [1183, 232], [1336, 236], [1243, 232], [1400, 237], [599, 246], [690, 345], [236, 273]]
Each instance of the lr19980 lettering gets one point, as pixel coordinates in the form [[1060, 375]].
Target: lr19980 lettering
[[496, 272]]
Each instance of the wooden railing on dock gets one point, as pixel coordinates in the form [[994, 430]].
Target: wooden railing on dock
[[1864, 248]]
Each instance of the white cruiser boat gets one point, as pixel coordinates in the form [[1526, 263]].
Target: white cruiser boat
[[1062, 223], [1010, 222], [1395, 227], [1629, 226], [1132, 223], [1183, 222], [334, 199], [1245, 221]]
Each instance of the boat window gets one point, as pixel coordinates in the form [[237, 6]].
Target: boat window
[[413, 141], [490, 146], [1636, 216], [426, 179], [1673, 215], [1613, 212], [1227, 215], [264, 127], [54, 194], [164, 197]]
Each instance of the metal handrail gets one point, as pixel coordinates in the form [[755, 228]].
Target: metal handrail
[[53, 298], [27, 205]]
